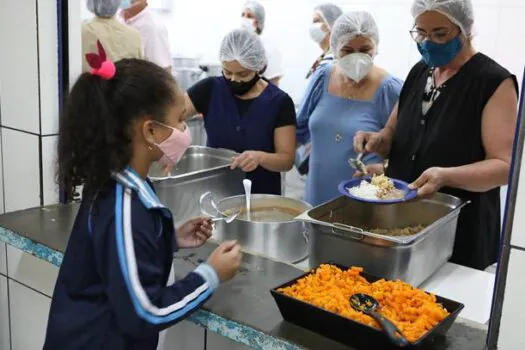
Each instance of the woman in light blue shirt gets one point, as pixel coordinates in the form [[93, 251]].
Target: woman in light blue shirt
[[342, 98]]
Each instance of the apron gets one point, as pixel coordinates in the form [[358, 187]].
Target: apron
[[254, 130]]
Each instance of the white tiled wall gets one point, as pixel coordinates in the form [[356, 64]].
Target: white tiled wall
[[497, 22], [31, 271], [19, 65], [21, 170], [28, 102], [4, 315], [48, 57], [49, 155], [3, 259], [28, 314], [511, 328]]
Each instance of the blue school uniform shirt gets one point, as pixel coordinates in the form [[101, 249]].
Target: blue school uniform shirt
[[330, 123], [111, 291]]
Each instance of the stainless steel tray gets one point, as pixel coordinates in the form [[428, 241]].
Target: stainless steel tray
[[352, 219], [338, 236], [197, 159]]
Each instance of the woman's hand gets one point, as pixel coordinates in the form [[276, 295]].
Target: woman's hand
[[373, 142], [248, 161], [430, 182], [194, 232], [371, 169]]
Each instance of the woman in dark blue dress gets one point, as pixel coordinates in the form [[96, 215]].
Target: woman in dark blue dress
[[247, 114]]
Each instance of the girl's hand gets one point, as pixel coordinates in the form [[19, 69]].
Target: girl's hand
[[226, 260], [166, 171], [194, 232], [248, 161]]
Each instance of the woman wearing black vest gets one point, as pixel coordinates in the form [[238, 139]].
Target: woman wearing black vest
[[453, 128]]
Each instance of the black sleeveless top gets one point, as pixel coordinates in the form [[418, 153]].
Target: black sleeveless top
[[449, 135]]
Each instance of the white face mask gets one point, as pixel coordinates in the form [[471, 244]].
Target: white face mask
[[248, 23], [316, 33], [356, 66]]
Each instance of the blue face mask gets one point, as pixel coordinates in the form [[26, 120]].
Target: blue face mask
[[125, 4], [437, 55]]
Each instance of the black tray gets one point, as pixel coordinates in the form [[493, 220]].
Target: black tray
[[351, 332]]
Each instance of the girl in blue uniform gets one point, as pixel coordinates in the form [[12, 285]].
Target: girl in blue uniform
[[112, 290], [247, 114]]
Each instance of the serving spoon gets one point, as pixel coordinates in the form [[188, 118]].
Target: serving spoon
[[369, 305]]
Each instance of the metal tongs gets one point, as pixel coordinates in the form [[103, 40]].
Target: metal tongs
[[359, 165]]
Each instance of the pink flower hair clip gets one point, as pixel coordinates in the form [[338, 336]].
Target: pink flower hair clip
[[100, 64]]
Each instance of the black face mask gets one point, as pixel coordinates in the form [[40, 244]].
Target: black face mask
[[242, 87]]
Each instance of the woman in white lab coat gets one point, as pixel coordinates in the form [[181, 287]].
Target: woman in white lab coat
[[118, 40]]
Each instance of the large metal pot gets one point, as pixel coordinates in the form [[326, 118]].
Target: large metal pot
[[285, 241], [185, 62], [200, 169], [187, 77], [197, 131], [212, 69]]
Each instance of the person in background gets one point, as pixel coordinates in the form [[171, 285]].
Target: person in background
[[118, 40], [453, 128], [245, 113], [253, 18], [324, 18], [140, 17], [111, 291], [352, 94]]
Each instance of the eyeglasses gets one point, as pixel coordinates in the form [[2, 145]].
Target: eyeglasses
[[439, 36]]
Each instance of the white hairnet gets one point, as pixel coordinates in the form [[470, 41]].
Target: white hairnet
[[460, 12], [103, 8], [329, 13], [258, 11], [350, 25], [245, 47]]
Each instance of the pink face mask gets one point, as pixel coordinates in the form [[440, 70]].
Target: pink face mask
[[174, 146]]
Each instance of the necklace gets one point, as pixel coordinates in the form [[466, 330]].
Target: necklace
[[349, 92]]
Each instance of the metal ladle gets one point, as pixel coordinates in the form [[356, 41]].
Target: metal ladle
[[227, 219], [368, 305], [248, 193]]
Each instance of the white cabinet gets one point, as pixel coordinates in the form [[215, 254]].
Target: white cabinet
[[4, 315], [29, 311], [215, 341], [183, 336]]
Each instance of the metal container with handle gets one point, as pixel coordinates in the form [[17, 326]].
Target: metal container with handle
[[340, 234], [199, 170], [285, 241]]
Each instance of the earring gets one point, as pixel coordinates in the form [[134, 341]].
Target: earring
[[150, 148]]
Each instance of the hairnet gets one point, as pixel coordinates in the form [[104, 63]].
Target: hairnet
[[258, 11], [329, 13], [350, 25], [103, 8], [460, 12], [245, 47]]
